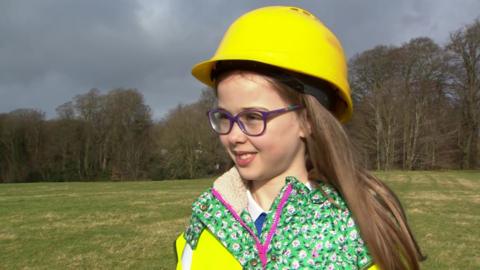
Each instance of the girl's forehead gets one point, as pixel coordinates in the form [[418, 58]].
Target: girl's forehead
[[247, 89]]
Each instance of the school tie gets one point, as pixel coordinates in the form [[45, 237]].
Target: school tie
[[259, 223]]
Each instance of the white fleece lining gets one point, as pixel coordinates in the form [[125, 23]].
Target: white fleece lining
[[233, 189]]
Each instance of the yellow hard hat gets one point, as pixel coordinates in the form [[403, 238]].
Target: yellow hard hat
[[289, 38]]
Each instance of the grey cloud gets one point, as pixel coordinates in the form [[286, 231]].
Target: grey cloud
[[51, 51]]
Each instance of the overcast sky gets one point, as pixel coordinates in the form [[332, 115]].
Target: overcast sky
[[53, 50]]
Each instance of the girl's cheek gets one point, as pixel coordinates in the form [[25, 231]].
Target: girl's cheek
[[269, 146], [224, 141]]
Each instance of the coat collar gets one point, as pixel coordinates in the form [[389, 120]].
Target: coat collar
[[209, 212], [234, 189]]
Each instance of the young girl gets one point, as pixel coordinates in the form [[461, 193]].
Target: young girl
[[296, 197]]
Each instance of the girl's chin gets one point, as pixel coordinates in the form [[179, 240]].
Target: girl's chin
[[247, 173], [250, 174]]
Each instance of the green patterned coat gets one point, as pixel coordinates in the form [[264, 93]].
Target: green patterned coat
[[315, 229]]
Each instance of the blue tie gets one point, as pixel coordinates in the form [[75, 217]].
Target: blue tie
[[259, 223]]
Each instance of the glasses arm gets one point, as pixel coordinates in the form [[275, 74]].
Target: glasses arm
[[287, 109]]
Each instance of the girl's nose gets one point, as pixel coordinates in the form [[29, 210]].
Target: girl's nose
[[236, 135]]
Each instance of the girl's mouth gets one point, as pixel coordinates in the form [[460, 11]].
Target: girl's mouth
[[244, 159]]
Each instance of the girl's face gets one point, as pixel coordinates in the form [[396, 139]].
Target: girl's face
[[279, 151]]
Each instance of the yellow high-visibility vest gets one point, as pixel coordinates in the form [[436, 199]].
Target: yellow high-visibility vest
[[211, 254]]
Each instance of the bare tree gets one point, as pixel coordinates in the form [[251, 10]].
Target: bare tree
[[371, 78], [21, 138], [422, 69], [128, 134], [187, 146], [464, 47], [399, 94]]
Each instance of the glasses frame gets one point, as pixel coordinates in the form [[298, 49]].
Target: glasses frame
[[236, 118]]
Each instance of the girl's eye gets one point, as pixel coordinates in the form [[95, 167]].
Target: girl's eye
[[252, 116], [221, 115]]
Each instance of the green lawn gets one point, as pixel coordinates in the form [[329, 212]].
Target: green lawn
[[132, 225]]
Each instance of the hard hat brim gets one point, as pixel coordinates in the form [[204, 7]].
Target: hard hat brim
[[202, 71]]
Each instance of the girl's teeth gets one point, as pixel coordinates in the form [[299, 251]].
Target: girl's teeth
[[245, 156]]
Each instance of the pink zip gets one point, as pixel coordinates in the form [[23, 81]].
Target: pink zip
[[261, 248]]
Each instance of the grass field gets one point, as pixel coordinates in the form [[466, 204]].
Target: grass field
[[132, 225]]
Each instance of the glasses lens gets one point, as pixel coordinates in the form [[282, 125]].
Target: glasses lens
[[253, 122], [220, 121]]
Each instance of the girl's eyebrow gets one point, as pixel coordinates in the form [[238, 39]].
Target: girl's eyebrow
[[246, 108]]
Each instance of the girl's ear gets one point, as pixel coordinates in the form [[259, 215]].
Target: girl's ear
[[305, 126], [305, 130]]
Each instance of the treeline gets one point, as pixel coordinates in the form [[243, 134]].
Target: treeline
[[417, 106], [108, 137]]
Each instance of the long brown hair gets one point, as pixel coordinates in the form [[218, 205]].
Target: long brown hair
[[375, 207], [330, 157]]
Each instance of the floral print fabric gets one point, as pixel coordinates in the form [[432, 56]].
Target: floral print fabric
[[314, 232]]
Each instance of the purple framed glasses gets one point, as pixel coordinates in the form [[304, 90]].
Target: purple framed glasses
[[252, 122]]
